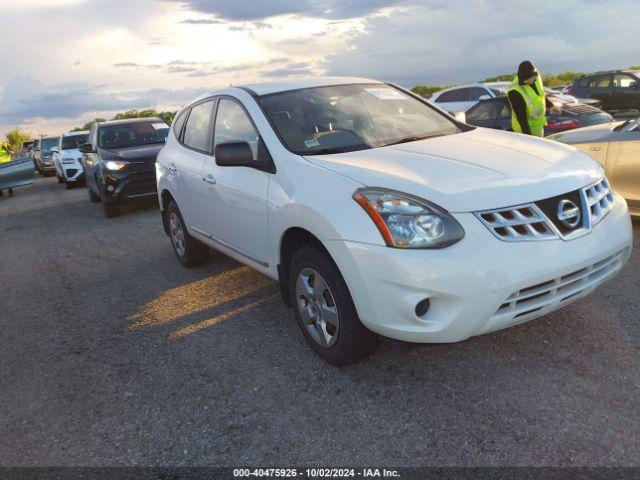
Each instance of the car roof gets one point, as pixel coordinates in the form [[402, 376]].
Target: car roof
[[128, 121], [74, 134], [266, 88], [608, 72], [466, 85], [50, 137]]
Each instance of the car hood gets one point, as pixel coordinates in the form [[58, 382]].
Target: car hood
[[477, 170], [140, 154], [596, 133], [73, 153]]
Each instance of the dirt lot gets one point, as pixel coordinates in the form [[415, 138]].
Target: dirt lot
[[113, 354]]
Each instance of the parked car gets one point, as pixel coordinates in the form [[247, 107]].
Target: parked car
[[379, 214], [44, 155], [16, 173], [496, 113], [617, 90], [463, 97], [617, 147], [119, 160], [68, 159]]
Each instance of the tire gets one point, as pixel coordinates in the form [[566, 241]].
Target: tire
[[68, 185], [93, 196], [346, 339], [109, 209], [189, 251], [60, 179]]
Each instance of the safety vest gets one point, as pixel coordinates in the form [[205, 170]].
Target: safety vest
[[536, 105]]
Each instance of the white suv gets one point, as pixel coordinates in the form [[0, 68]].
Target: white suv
[[68, 159], [379, 214]]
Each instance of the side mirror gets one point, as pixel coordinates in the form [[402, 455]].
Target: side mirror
[[484, 97], [54, 149], [87, 148], [234, 154]]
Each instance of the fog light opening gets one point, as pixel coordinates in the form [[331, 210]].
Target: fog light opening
[[110, 188], [423, 307]]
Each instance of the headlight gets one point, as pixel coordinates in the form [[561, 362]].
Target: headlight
[[115, 165], [406, 221]]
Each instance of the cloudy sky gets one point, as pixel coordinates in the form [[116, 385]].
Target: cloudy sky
[[68, 61]]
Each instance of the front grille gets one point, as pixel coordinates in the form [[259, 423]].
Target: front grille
[[556, 292], [71, 172], [525, 222], [599, 200], [541, 220]]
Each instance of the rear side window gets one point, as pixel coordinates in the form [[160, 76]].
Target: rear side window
[[601, 81], [476, 92], [179, 122], [196, 132], [233, 125], [457, 95]]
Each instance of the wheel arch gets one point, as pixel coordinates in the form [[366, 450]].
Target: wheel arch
[[165, 198], [291, 241]]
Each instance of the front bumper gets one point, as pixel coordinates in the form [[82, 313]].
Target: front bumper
[[480, 284], [121, 187], [73, 172]]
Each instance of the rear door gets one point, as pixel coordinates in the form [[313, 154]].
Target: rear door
[[625, 92], [237, 196], [194, 197], [599, 87]]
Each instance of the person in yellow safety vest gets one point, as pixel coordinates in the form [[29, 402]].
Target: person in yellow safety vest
[[528, 101]]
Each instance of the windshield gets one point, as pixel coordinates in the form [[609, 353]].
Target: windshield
[[74, 141], [49, 143], [351, 117], [132, 134]]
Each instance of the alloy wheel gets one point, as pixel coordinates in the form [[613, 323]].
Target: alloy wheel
[[177, 234], [317, 307]]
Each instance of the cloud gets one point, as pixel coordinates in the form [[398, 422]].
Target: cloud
[[445, 42], [242, 10], [25, 98], [202, 21]]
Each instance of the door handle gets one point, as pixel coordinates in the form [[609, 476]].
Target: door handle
[[172, 168], [209, 179], [594, 149]]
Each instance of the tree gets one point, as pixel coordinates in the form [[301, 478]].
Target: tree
[[427, 90], [88, 125], [15, 138]]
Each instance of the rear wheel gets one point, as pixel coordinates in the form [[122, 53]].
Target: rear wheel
[[324, 309], [190, 252]]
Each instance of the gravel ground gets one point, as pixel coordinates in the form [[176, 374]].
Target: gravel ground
[[113, 354]]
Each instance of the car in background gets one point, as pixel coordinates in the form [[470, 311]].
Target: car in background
[[68, 159], [119, 160], [16, 173], [44, 155], [617, 147], [463, 97], [378, 213], [616, 90], [496, 113]]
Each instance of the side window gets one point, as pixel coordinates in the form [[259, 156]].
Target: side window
[[475, 93], [601, 81], [505, 111], [457, 95], [482, 111], [233, 125], [179, 122], [196, 132], [622, 82]]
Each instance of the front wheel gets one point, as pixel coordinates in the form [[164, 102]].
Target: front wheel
[[60, 179], [109, 209], [93, 196], [324, 309], [190, 252]]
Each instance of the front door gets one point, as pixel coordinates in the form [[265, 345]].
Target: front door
[[237, 196], [623, 167]]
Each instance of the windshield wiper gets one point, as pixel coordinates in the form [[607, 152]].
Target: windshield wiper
[[328, 151], [414, 138], [623, 124]]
